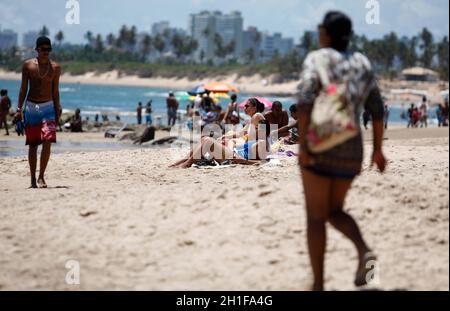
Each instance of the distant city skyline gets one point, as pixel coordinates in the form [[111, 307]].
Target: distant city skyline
[[289, 17]]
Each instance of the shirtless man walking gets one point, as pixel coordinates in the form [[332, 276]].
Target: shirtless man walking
[[42, 109]]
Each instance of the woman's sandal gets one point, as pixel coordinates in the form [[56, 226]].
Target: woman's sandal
[[364, 268]]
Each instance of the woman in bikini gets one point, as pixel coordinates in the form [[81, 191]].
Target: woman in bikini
[[247, 147]]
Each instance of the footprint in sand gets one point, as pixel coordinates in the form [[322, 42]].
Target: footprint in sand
[[87, 213], [264, 193]]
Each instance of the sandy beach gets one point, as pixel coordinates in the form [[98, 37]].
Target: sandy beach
[[134, 224]]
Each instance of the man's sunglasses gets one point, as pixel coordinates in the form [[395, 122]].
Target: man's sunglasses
[[45, 49]]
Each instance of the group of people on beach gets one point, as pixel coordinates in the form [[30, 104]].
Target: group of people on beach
[[331, 77], [327, 174], [418, 116], [148, 113]]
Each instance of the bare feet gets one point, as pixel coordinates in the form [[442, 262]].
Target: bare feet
[[365, 269], [33, 184], [186, 164], [41, 183], [317, 287]]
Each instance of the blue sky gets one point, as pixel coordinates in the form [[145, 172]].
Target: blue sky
[[290, 17]]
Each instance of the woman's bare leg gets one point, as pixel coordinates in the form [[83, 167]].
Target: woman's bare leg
[[317, 197], [208, 145], [347, 225], [216, 149]]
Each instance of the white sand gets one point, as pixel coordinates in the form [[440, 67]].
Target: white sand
[[132, 223]]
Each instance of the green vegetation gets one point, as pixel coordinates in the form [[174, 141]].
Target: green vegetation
[[130, 54]]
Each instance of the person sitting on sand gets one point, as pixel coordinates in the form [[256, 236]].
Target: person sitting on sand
[[277, 115], [207, 102], [247, 147], [76, 125], [232, 115], [289, 133]]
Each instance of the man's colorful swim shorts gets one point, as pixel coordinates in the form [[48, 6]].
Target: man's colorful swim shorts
[[40, 124]]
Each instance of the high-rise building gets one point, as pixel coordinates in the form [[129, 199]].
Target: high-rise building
[[206, 25], [8, 39], [275, 44], [159, 28], [29, 39], [230, 28], [164, 30], [251, 42], [286, 46]]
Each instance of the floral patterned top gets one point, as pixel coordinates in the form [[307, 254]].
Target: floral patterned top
[[355, 70]]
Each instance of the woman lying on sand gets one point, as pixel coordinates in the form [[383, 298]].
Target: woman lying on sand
[[247, 147]]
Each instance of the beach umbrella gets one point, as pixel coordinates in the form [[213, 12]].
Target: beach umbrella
[[199, 89], [267, 103], [219, 95], [182, 96], [220, 87]]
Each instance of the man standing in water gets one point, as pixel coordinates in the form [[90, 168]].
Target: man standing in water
[[40, 79], [172, 108], [5, 105]]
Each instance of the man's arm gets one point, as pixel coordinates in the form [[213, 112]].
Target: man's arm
[[55, 90], [285, 120], [226, 113], [284, 131], [23, 87]]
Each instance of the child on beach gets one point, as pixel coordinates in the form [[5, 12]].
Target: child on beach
[[148, 113]]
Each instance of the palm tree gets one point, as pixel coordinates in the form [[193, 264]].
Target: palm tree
[[249, 55], [44, 31], [159, 44], [191, 47], [146, 46], [89, 36], [99, 46], [390, 43], [427, 48], [442, 55], [202, 56], [178, 45], [123, 36], [59, 37], [218, 42], [110, 40], [132, 35]]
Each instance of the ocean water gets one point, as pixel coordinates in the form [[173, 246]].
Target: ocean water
[[123, 100]]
